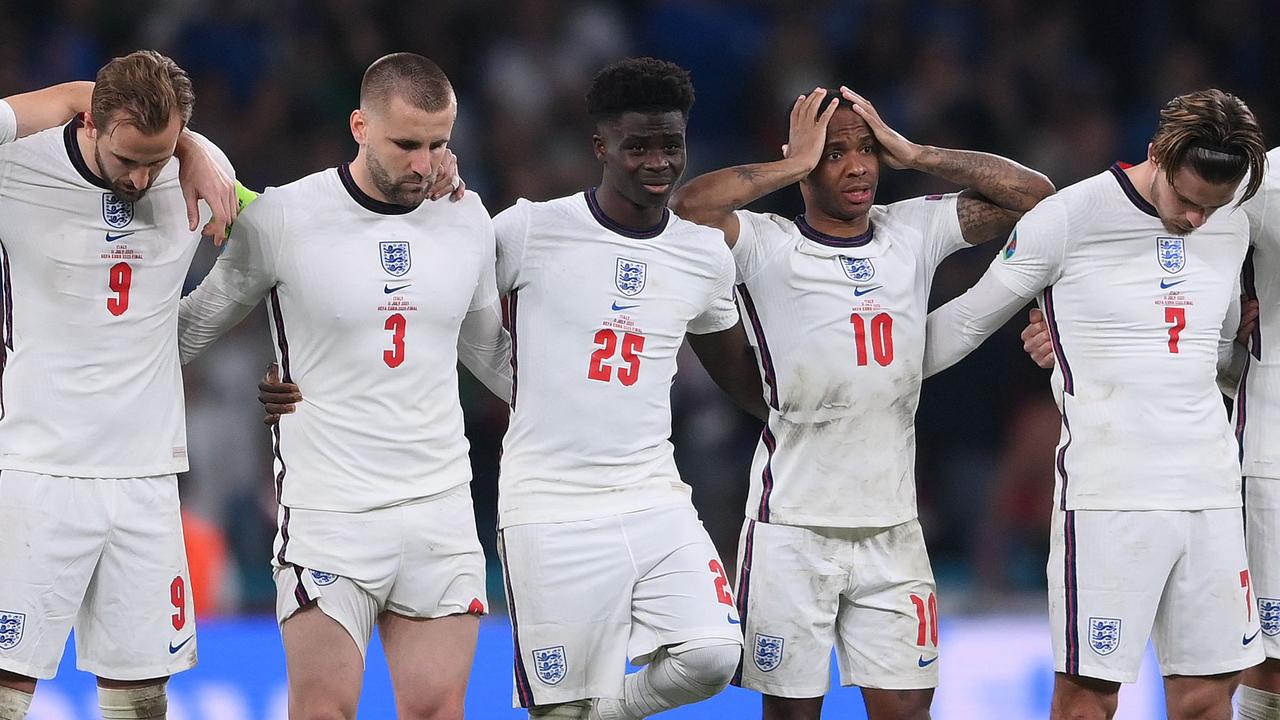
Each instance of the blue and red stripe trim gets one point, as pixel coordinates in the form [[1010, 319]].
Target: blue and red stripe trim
[[524, 690], [1055, 338], [762, 345], [744, 591], [766, 475], [299, 590], [513, 304], [1070, 587], [282, 342], [1242, 405], [6, 319]]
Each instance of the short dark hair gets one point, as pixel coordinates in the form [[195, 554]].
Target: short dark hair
[[145, 88], [1214, 134], [642, 85], [411, 77]]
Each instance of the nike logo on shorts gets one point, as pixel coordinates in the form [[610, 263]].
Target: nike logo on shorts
[[733, 620], [1249, 638], [173, 649], [926, 663]]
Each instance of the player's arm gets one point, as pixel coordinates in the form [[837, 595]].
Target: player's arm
[[49, 107], [484, 348], [999, 190], [712, 199], [729, 361], [205, 174], [1233, 342]]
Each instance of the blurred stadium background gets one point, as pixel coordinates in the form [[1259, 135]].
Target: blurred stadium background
[[1063, 87]]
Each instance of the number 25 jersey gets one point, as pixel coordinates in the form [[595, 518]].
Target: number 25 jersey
[[598, 313]]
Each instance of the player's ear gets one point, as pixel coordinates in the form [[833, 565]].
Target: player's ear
[[359, 127], [598, 146], [1151, 157]]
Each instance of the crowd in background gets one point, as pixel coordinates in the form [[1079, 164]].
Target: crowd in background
[[1066, 88]]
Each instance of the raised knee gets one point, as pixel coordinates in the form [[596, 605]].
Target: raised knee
[[710, 666]]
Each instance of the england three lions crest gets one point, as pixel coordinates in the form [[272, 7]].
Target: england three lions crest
[[767, 652], [550, 664], [116, 212], [858, 269], [1269, 616], [1171, 252], [630, 276], [1104, 634], [11, 625], [395, 257]]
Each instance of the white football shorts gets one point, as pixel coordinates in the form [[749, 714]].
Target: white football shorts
[[102, 555], [1262, 539]]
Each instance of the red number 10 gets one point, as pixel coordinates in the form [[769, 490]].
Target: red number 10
[[119, 279], [881, 338], [928, 624]]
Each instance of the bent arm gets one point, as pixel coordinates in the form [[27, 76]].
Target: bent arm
[[50, 107], [712, 199], [999, 190], [729, 361], [957, 328], [484, 348]]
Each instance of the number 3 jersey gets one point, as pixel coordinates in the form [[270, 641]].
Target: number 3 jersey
[[598, 313], [838, 328], [365, 300], [1136, 315], [90, 384]]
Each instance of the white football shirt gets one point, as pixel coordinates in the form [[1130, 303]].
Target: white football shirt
[[1257, 415], [365, 300], [8, 123], [1135, 314], [838, 326], [90, 384], [597, 314]]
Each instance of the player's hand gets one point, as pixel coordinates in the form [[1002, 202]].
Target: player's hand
[[895, 150], [448, 182], [202, 179], [1035, 340], [808, 134], [277, 398], [1248, 320]]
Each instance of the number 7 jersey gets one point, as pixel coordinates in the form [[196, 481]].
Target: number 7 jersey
[[598, 313]]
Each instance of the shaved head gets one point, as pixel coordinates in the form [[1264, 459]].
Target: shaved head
[[408, 76]]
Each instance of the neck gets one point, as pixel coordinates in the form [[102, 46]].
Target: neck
[[360, 173], [88, 151], [1142, 175], [624, 212], [835, 227]]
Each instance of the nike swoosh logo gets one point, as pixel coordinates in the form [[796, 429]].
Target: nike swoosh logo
[[1165, 284], [926, 663], [1249, 638], [617, 307], [733, 620], [388, 289], [113, 238], [859, 292], [173, 649]]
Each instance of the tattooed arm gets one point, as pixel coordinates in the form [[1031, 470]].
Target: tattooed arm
[[999, 189], [711, 199]]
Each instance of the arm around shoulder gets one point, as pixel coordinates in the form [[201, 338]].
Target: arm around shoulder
[[50, 107]]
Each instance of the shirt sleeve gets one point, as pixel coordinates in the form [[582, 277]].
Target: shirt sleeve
[[486, 293], [936, 217], [8, 123], [243, 274], [955, 329], [1032, 258], [722, 312], [484, 348], [755, 245], [511, 233]]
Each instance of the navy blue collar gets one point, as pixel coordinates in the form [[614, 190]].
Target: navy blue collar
[[70, 139], [365, 201], [831, 240], [1132, 192], [637, 233]]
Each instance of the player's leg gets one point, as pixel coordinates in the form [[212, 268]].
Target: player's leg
[[1259, 694], [1106, 571], [686, 631], [788, 595], [133, 700], [432, 614], [887, 627], [569, 596], [324, 664], [1206, 630], [54, 529]]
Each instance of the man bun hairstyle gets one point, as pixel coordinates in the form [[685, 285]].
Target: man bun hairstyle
[[409, 76], [1214, 134], [143, 89], [643, 85]]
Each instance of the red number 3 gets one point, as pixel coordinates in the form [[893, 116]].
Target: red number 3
[[396, 324], [178, 596], [119, 279], [722, 583]]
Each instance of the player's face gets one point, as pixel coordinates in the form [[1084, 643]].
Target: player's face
[[643, 155], [843, 185], [130, 160], [1189, 201], [403, 147]]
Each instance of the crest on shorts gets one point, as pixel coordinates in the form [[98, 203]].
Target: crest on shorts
[[550, 664], [323, 578], [858, 269], [116, 212], [11, 624], [767, 652], [395, 257], [630, 276], [1104, 634], [1172, 253], [1269, 615]]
